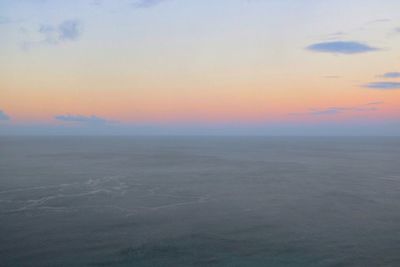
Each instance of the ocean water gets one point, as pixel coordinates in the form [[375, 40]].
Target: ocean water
[[199, 201]]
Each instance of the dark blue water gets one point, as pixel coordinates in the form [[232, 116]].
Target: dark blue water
[[187, 201]]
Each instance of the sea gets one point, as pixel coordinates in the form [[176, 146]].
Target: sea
[[199, 201]]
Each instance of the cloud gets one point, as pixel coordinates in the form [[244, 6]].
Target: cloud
[[83, 119], [383, 85], [328, 111], [374, 103], [96, 2], [397, 29], [391, 75], [341, 47], [68, 30], [4, 20], [4, 116], [335, 36], [371, 106], [378, 21], [147, 3]]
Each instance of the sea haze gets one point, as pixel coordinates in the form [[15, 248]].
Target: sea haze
[[199, 201]]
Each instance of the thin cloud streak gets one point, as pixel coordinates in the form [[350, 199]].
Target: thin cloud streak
[[93, 119], [383, 85], [391, 75], [147, 3], [371, 106]]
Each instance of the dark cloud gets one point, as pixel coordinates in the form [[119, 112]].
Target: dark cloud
[[383, 85], [83, 119], [4, 116], [341, 47]]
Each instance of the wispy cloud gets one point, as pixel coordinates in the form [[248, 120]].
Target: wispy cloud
[[327, 111], [378, 21], [391, 75], [383, 85], [362, 28], [96, 2], [341, 47], [374, 103], [83, 119], [6, 20], [68, 30], [147, 3], [335, 36], [371, 106], [4, 116]]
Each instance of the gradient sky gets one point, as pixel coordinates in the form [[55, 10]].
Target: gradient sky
[[289, 67]]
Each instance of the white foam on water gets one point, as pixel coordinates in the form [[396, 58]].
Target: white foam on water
[[111, 185], [92, 186], [394, 178]]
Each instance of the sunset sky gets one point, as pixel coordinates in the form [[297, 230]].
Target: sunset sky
[[278, 67]]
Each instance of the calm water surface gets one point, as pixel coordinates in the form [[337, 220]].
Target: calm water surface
[[188, 201]]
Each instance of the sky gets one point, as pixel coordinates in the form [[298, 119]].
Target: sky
[[245, 67]]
